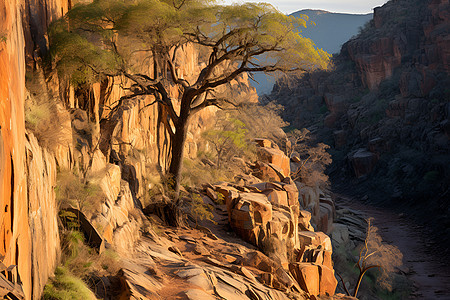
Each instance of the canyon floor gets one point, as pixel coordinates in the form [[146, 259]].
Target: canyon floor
[[423, 264]]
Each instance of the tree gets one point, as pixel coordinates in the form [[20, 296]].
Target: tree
[[313, 159], [376, 254], [105, 39], [228, 138]]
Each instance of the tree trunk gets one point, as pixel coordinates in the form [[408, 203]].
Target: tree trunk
[[177, 147], [177, 151]]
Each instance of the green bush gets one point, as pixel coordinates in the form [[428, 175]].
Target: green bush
[[65, 286], [323, 109], [200, 210], [71, 190]]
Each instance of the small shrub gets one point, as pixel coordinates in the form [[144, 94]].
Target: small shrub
[[220, 198], [376, 254], [200, 210], [196, 173], [41, 113], [313, 159], [71, 190], [65, 286], [323, 109], [84, 262], [228, 139]]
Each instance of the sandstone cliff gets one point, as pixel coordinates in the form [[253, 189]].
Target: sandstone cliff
[[29, 230], [385, 106], [29, 227]]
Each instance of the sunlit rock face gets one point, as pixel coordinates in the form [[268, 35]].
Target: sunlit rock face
[[14, 230], [28, 231], [276, 216]]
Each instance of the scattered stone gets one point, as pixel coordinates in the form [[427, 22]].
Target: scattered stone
[[189, 272], [175, 250], [202, 281], [198, 295], [227, 292], [307, 275], [201, 250], [188, 239]]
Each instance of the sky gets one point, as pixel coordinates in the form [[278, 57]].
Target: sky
[[342, 6]]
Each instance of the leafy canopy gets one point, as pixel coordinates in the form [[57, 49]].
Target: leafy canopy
[[108, 37]]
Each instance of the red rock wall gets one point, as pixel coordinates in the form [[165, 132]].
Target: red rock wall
[[14, 230], [28, 228]]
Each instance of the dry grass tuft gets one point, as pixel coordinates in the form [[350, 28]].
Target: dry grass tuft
[[41, 113], [72, 191]]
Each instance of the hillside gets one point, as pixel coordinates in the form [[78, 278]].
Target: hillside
[[330, 31], [385, 110]]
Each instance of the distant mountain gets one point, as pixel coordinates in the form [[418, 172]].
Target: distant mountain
[[330, 32], [331, 29]]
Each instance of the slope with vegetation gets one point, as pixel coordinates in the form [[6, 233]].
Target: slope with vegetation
[[384, 107], [93, 131]]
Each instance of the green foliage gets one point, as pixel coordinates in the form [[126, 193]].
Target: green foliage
[[73, 241], [228, 138], [65, 286], [323, 109], [84, 262], [195, 173], [200, 210], [71, 190], [110, 38], [3, 37], [220, 198], [102, 38], [262, 121]]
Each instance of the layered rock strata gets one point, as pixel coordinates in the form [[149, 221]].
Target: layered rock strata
[[271, 216]]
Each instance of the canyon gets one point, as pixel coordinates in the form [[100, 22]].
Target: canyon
[[384, 109], [268, 235]]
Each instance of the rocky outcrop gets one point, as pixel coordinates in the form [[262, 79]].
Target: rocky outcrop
[[272, 216]]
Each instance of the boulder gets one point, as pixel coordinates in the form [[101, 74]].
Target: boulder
[[307, 276], [265, 143], [268, 172], [328, 282], [249, 215], [275, 157], [363, 162], [314, 239], [304, 219], [339, 234], [277, 197]]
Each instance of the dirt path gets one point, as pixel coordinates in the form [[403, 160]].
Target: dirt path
[[429, 271]]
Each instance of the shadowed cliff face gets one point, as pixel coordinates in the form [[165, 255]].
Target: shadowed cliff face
[[386, 106]]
